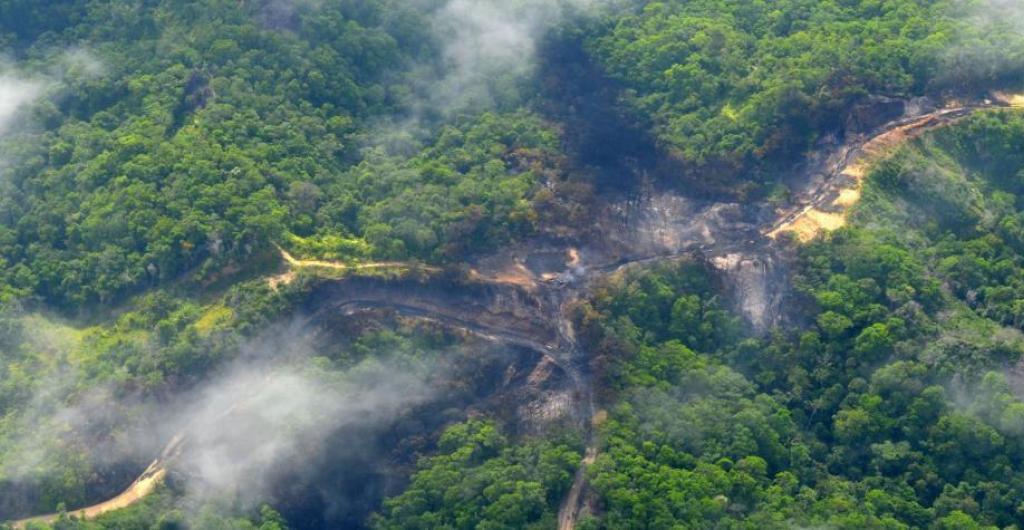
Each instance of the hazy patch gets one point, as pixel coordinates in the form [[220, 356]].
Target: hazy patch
[[53, 77], [281, 14], [488, 54], [16, 93], [79, 62], [489, 44], [990, 44], [270, 411], [251, 422]]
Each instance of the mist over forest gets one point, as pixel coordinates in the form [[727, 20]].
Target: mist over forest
[[523, 264]]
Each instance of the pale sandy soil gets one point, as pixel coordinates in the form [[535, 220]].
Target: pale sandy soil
[[142, 487], [826, 214], [294, 264], [570, 511]]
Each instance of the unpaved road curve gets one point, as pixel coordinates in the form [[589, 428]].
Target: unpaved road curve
[[824, 206], [822, 197], [144, 485], [357, 266]]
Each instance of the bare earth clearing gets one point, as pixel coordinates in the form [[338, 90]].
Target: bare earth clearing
[[526, 306]]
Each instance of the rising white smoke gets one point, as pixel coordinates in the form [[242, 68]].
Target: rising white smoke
[[21, 86], [24, 86], [281, 14], [271, 411]]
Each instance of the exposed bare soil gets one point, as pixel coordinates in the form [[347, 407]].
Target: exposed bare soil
[[521, 296]]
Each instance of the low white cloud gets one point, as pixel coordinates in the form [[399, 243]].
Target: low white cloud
[[490, 42], [81, 63], [989, 43], [16, 94], [246, 424]]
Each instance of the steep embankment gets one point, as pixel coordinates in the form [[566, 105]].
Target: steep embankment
[[823, 206]]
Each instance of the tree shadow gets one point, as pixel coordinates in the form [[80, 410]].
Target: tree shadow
[[601, 137]]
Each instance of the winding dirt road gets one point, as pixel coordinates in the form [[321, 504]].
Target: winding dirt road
[[142, 487], [822, 206]]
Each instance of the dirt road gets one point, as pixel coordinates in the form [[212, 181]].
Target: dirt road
[[821, 207]]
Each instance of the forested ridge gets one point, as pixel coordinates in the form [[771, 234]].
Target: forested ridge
[[157, 155], [893, 402], [212, 134], [739, 87]]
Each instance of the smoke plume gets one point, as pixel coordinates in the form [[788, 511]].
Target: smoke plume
[[269, 412]]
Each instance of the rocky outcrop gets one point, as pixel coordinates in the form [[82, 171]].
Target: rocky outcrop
[[757, 286]]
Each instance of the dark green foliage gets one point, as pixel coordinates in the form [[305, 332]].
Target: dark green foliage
[[674, 302], [185, 138], [207, 137], [690, 441], [483, 480], [179, 154], [733, 86], [22, 21], [465, 193], [890, 407]]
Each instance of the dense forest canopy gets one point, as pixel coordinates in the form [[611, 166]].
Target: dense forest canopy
[[742, 86], [187, 137], [176, 137], [158, 157], [891, 406]]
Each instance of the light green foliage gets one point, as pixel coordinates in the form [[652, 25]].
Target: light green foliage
[[159, 512]]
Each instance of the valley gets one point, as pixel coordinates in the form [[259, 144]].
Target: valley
[[533, 312]]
